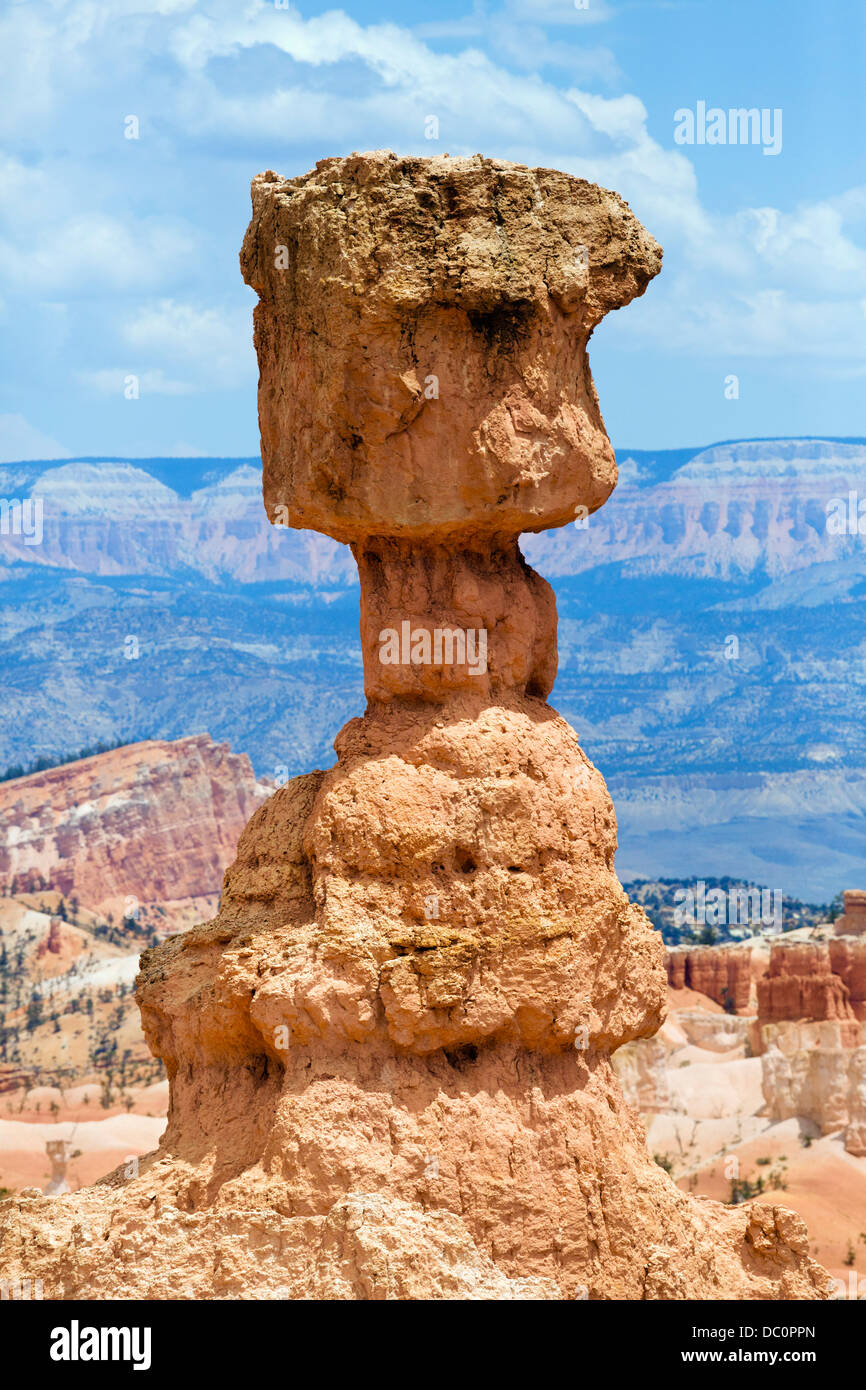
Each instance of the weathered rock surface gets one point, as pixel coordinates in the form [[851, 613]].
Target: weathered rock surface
[[848, 961], [814, 1064], [723, 973], [809, 1072], [855, 1133], [800, 985], [853, 920], [485, 275], [715, 1032], [641, 1069], [390, 1053], [810, 1082], [155, 821]]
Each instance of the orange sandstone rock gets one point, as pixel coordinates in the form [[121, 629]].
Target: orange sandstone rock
[[853, 920], [421, 330], [723, 973], [800, 984], [390, 1053], [848, 961]]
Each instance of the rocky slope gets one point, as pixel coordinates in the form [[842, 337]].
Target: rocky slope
[[754, 507], [151, 824], [731, 510], [390, 1054], [114, 518]]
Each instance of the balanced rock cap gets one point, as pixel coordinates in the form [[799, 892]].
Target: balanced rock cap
[[421, 334]]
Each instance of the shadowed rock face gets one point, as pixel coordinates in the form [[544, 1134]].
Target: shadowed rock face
[[390, 1053]]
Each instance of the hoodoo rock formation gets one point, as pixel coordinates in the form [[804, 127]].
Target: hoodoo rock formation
[[808, 1034], [855, 1133], [801, 986], [723, 973], [809, 1076], [390, 1054], [853, 919], [848, 961], [810, 1082]]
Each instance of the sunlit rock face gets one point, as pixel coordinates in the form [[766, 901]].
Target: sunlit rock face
[[390, 1053]]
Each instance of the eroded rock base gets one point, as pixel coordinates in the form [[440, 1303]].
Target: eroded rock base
[[367, 1176]]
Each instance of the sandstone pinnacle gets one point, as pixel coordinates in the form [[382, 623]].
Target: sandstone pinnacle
[[390, 1053]]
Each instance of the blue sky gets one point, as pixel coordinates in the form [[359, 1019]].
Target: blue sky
[[119, 256]]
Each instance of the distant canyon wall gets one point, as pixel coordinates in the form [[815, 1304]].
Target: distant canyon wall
[[722, 973], [768, 506], [156, 822]]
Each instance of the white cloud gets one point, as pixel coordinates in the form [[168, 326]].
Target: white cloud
[[215, 343], [693, 316], [92, 250], [766, 280], [554, 12], [117, 381], [808, 246], [20, 441]]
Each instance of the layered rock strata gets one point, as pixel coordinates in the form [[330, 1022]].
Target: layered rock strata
[[723, 973], [390, 1054], [810, 1083], [641, 1068], [715, 1032], [154, 822], [855, 1133], [806, 1074], [800, 985]]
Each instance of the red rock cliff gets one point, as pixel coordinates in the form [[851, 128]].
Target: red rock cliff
[[723, 973], [155, 821], [800, 985]]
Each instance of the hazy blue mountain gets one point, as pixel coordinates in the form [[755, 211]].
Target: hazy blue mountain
[[712, 640]]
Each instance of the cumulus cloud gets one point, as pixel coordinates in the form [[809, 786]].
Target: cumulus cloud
[[93, 251], [214, 343], [224, 87]]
